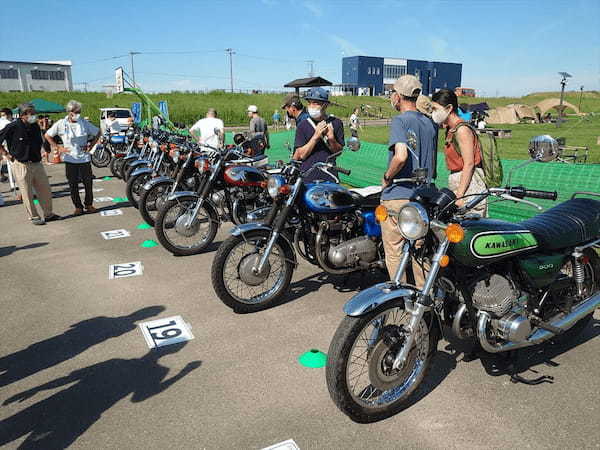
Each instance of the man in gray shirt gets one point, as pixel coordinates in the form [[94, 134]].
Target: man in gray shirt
[[412, 144], [258, 126]]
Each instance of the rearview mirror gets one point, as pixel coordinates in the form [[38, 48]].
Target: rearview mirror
[[543, 148], [353, 144]]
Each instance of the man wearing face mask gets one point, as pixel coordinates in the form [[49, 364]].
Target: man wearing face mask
[[78, 137], [319, 136], [24, 140], [412, 144]]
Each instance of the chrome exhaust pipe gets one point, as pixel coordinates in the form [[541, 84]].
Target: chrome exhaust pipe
[[581, 310]]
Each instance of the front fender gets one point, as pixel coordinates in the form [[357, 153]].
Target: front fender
[[369, 299], [158, 180], [141, 171], [140, 162], [243, 229], [177, 195]]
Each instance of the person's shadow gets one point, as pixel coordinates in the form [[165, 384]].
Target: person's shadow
[[59, 420], [75, 340]]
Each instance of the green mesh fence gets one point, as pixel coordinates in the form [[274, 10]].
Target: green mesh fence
[[369, 163]]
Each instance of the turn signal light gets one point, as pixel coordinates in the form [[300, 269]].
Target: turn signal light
[[455, 233], [285, 189], [444, 261], [381, 213]]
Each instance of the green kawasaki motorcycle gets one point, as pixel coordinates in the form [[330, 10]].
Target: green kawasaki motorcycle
[[504, 285]]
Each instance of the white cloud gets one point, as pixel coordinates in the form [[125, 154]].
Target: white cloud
[[346, 46], [314, 8]]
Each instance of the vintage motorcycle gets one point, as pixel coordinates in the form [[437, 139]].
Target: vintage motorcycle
[[325, 223], [232, 185], [504, 285]]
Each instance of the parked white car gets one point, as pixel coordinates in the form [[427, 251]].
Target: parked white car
[[122, 115]]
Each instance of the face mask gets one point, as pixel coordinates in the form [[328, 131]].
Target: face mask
[[75, 116], [439, 116], [314, 113], [32, 119]]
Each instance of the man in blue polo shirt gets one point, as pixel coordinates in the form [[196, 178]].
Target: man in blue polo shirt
[[319, 136], [412, 144], [294, 109]]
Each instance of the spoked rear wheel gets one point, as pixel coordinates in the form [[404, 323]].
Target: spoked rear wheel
[[181, 233], [233, 277], [360, 375]]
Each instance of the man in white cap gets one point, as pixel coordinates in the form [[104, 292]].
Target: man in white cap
[[412, 145], [258, 126]]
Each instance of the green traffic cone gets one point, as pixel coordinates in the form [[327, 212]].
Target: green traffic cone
[[144, 226], [149, 244], [107, 178], [313, 359]]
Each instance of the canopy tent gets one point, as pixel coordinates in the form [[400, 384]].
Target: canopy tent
[[550, 103], [523, 111], [44, 106], [502, 114], [307, 82]]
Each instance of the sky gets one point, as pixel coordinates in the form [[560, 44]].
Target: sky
[[507, 47]]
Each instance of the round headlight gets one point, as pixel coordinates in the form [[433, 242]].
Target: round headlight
[[413, 221], [274, 183]]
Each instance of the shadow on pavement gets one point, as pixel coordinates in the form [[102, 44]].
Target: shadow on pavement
[[10, 249], [59, 420], [77, 339]]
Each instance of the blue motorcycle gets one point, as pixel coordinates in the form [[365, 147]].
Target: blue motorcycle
[[325, 223]]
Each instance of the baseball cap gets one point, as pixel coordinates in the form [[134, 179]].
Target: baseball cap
[[318, 94], [424, 105], [408, 86], [252, 108], [291, 100]]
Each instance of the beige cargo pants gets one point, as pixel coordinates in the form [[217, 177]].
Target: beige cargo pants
[[29, 176]]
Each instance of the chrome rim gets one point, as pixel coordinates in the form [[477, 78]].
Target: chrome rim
[[258, 292], [369, 377], [201, 228]]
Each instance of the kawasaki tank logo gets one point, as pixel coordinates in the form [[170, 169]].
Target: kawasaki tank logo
[[496, 243]]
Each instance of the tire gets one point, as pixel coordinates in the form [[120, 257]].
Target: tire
[[339, 355], [148, 206], [165, 228], [115, 167], [134, 188], [252, 304], [123, 169], [128, 170], [101, 161]]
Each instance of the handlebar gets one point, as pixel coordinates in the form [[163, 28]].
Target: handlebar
[[342, 170], [521, 192]]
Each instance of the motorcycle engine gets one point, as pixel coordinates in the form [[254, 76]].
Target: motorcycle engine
[[497, 296], [349, 253]]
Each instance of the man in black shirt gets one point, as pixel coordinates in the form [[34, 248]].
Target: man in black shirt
[[24, 140]]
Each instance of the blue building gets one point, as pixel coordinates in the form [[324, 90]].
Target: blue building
[[369, 75]]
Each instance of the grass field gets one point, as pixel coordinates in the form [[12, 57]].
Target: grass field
[[189, 107]]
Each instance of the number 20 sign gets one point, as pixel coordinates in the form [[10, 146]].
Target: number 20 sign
[[161, 332], [124, 270]]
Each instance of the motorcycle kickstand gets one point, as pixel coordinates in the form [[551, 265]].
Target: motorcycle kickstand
[[515, 377]]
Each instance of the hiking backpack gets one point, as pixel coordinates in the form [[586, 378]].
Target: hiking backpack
[[490, 157]]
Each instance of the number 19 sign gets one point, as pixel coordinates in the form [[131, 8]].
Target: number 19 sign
[[161, 332]]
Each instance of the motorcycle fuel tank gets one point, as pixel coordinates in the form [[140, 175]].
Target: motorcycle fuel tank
[[488, 241], [244, 176], [328, 198]]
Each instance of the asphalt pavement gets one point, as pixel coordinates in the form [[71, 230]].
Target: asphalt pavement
[[75, 369]]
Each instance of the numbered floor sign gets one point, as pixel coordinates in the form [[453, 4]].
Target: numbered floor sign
[[285, 445], [124, 270], [111, 212], [103, 199], [115, 234], [161, 332]]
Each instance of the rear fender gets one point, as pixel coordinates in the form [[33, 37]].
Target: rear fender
[[158, 180], [246, 228], [369, 299]]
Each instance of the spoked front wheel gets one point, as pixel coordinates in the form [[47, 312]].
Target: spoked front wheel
[[235, 281], [153, 200], [101, 158], [115, 166], [361, 378], [135, 186], [180, 232]]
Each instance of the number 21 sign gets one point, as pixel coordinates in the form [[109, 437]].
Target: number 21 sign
[[161, 332]]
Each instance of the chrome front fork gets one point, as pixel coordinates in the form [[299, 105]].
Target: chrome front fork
[[417, 309]]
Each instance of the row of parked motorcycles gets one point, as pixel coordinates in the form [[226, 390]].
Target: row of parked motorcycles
[[502, 286]]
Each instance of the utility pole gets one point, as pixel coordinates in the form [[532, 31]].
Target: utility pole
[[132, 70], [311, 72], [563, 83], [231, 53], [580, 95]]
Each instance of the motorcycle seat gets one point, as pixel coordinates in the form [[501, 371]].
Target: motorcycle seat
[[569, 224], [368, 197]]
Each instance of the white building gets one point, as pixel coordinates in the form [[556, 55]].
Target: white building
[[19, 76]]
